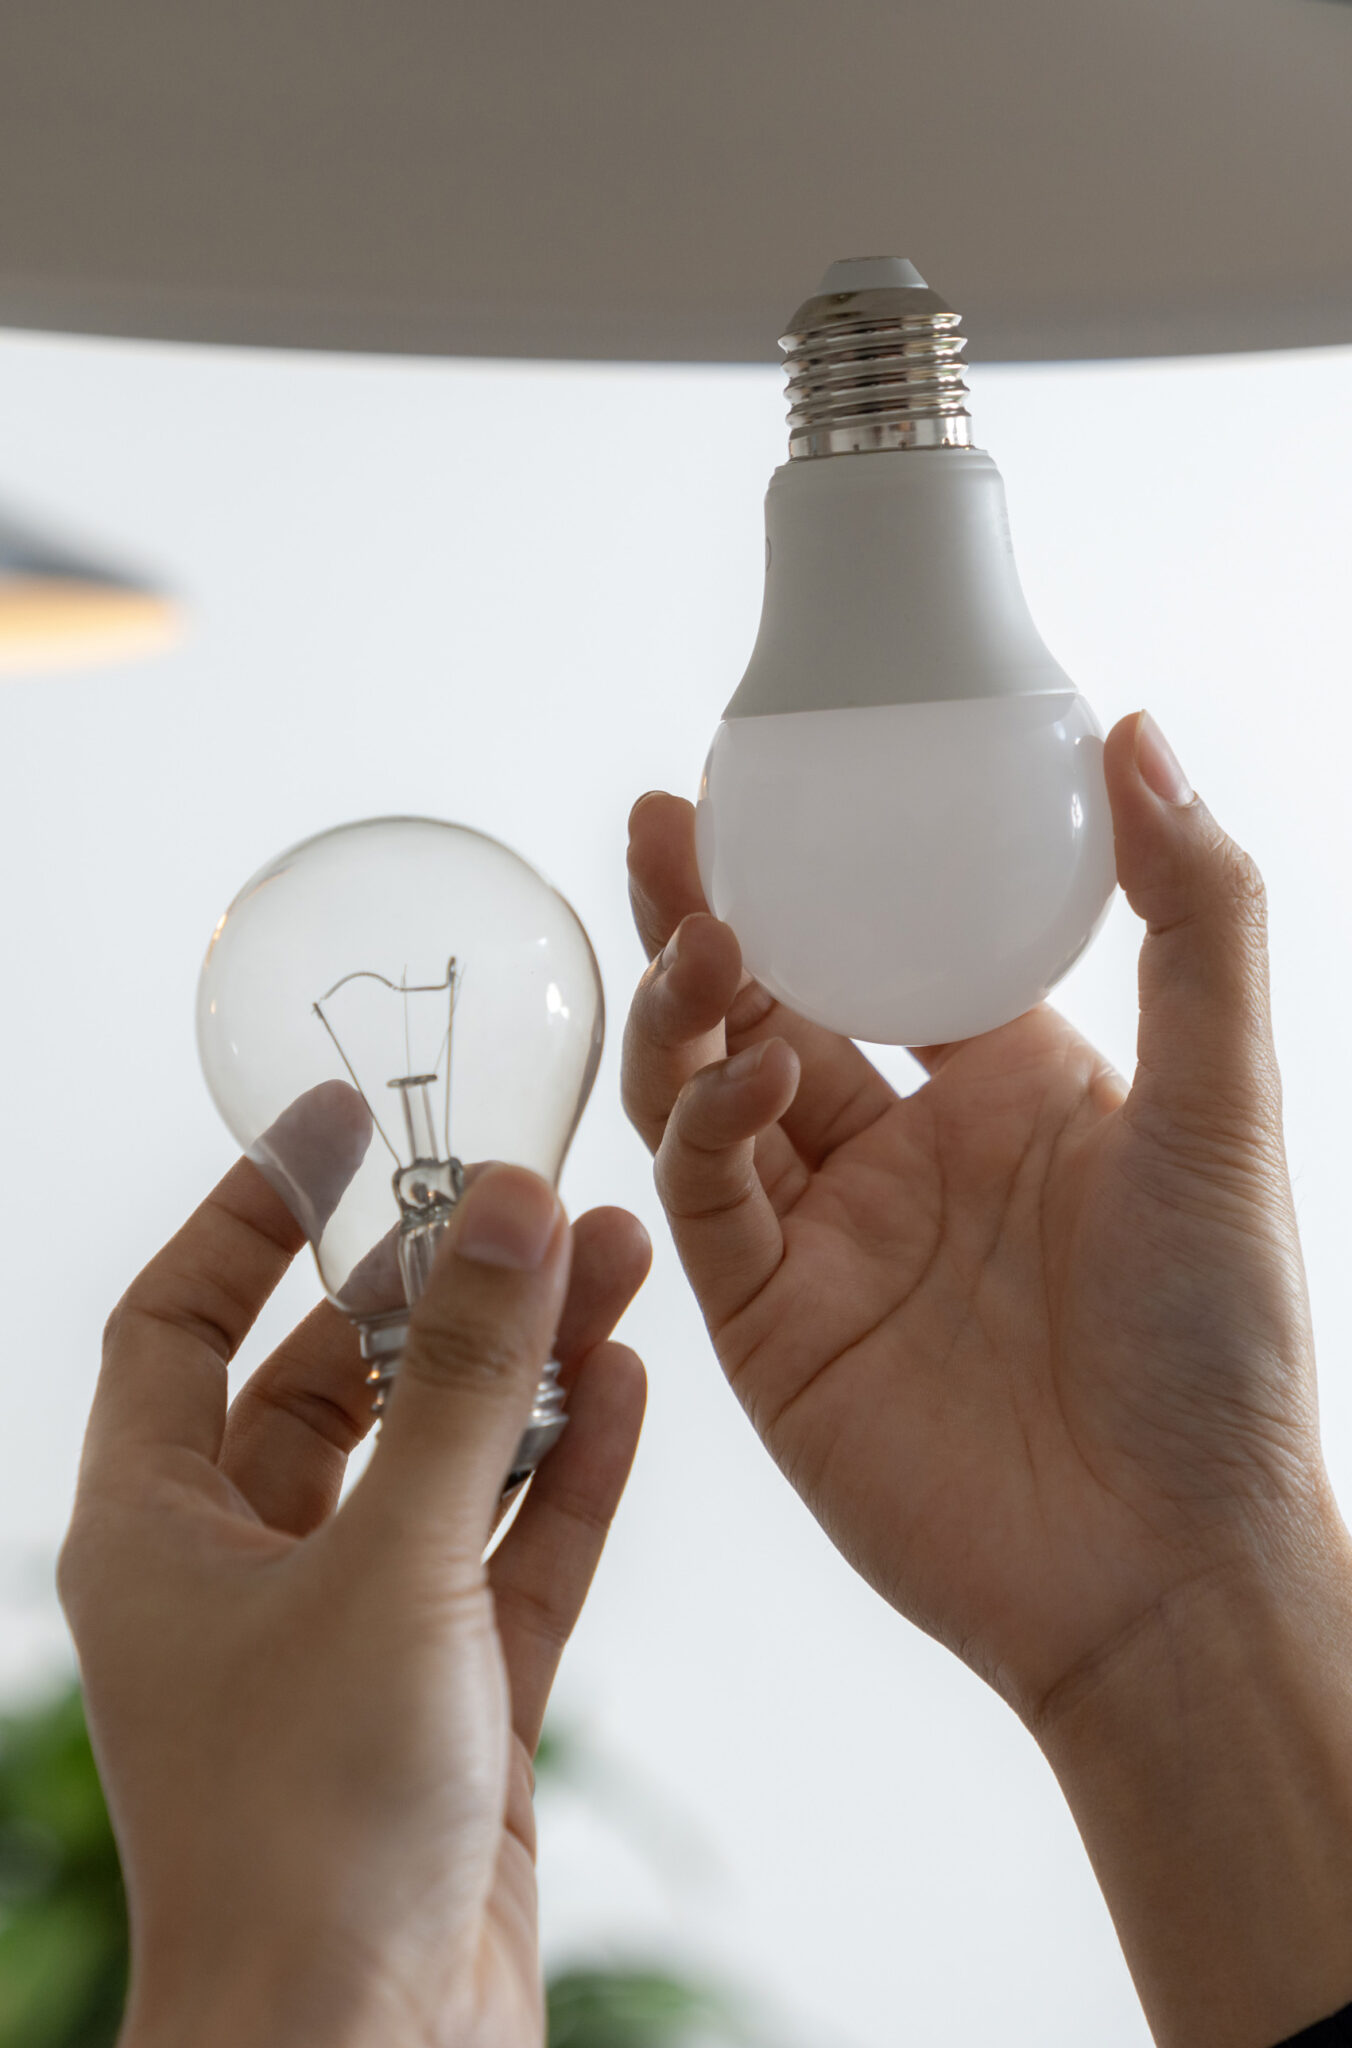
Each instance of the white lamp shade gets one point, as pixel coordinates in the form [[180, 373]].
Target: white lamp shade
[[622, 179]]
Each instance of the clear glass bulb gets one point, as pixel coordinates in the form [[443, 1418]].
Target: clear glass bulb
[[903, 814], [380, 1007]]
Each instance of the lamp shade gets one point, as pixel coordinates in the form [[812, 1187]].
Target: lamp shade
[[623, 179]]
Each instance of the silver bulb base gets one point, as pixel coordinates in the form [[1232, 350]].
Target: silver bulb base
[[382, 1345], [875, 370]]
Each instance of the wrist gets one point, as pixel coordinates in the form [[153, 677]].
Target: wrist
[[1207, 1760], [291, 2001], [232, 2022]]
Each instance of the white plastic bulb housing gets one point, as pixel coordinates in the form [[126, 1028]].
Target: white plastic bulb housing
[[380, 1008], [903, 814]]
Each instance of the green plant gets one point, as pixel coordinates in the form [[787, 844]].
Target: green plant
[[636, 2008], [63, 1922]]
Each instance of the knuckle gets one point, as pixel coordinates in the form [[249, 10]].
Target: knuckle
[[534, 1614], [694, 1122], [72, 1571], [1246, 887], [671, 1178], [700, 1190], [631, 1095], [100, 1541], [68, 1571], [1226, 893], [1237, 880], [639, 1095], [751, 1007], [114, 1327], [645, 1122], [672, 1161], [464, 1351]]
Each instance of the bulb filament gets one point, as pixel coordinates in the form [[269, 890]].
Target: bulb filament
[[428, 1178]]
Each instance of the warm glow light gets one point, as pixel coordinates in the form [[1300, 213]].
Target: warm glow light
[[50, 622]]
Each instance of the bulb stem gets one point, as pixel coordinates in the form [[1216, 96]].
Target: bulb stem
[[419, 1121], [875, 369]]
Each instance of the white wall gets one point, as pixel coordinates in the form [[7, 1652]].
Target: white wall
[[519, 596]]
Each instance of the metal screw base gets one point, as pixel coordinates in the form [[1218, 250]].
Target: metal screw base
[[873, 370]]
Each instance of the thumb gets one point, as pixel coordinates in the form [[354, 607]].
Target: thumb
[[1206, 1072], [477, 1342]]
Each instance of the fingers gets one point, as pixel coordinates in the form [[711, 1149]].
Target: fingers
[[675, 1023], [664, 884], [294, 1424], [478, 1340], [287, 1437], [170, 1340], [684, 999], [841, 1094], [611, 1257], [541, 1572], [310, 1154], [1205, 1059], [375, 1286], [723, 1222]]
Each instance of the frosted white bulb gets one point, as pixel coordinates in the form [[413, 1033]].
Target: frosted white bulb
[[382, 1007], [903, 814]]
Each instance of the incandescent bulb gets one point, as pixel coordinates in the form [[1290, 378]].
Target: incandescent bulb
[[903, 814], [378, 1005]]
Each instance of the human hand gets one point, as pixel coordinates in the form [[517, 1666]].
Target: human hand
[[314, 1722], [1033, 1347]]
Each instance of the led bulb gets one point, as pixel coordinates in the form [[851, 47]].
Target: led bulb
[[380, 1007], [903, 815]]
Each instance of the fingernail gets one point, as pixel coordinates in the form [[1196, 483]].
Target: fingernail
[[671, 950], [745, 1064], [1159, 764], [506, 1218]]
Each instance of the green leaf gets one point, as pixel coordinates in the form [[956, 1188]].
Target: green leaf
[[636, 2008], [62, 1975], [555, 1753], [48, 1778]]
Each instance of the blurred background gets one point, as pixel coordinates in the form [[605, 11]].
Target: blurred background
[[518, 595]]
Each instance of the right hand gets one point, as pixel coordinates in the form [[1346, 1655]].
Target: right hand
[[1035, 1350], [1033, 1347]]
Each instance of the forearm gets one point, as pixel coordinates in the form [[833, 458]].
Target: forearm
[[1209, 1769]]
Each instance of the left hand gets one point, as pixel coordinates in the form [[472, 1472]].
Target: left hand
[[315, 1723]]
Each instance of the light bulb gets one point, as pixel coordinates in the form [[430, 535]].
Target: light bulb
[[379, 1007], [903, 814]]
